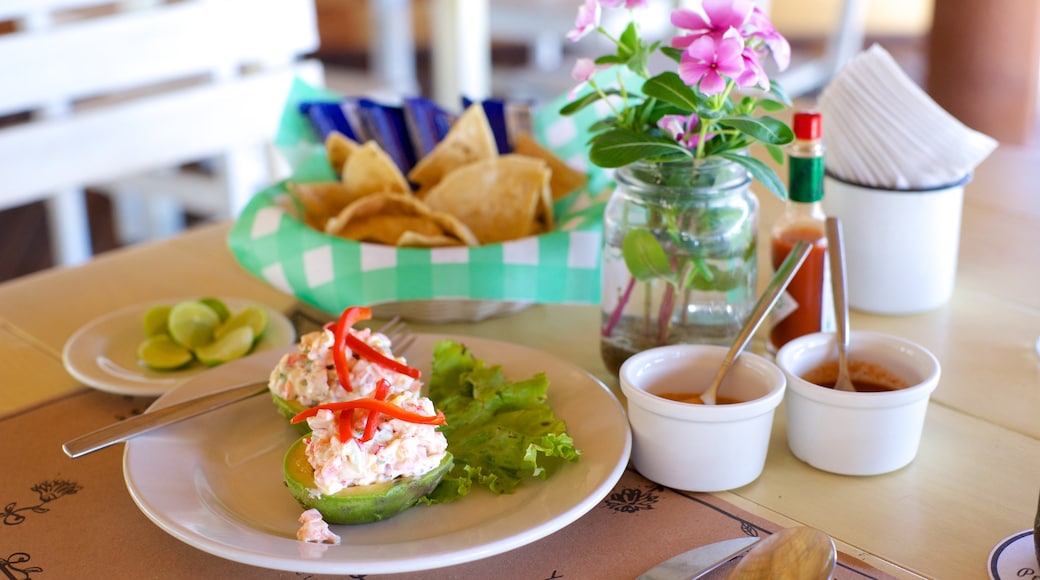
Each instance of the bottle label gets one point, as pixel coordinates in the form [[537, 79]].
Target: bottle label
[[805, 178]]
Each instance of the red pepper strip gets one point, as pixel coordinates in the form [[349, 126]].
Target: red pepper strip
[[342, 331], [372, 405], [365, 350], [382, 391]]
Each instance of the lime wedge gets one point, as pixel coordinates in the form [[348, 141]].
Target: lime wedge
[[218, 306], [255, 317], [161, 353], [191, 323], [232, 345], [155, 320]]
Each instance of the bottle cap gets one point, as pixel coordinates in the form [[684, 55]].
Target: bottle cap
[[808, 125]]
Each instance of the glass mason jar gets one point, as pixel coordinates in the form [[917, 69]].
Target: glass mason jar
[[679, 256]]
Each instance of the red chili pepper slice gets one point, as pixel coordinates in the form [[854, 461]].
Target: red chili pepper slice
[[367, 351], [382, 392], [372, 405], [342, 331]]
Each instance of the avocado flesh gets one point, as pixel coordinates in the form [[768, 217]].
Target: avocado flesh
[[360, 504], [290, 409]]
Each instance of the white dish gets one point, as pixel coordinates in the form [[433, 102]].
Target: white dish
[[103, 354], [1014, 557], [215, 482]]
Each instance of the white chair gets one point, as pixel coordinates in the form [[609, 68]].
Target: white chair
[[462, 31], [117, 91]]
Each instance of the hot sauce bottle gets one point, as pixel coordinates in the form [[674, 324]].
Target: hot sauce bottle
[[808, 302]]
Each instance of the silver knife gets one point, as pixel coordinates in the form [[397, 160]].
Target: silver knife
[[151, 420], [698, 561]]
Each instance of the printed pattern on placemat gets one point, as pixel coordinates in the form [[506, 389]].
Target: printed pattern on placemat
[[47, 491]]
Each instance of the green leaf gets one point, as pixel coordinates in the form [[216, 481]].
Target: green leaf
[[765, 129], [777, 90], [771, 105], [672, 53], [776, 153], [585, 100], [759, 171], [610, 59], [668, 87], [629, 41], [747, 105], [619, 147], [700, 276], [644, 256], [579, 103]]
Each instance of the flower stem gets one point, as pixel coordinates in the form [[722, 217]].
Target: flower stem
[[664, 313], [615, 316]]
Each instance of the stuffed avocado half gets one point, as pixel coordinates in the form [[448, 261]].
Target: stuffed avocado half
[[367, 459], [359, 504]]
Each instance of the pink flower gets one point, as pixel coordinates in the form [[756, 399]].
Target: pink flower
[[762, 28], [722, 15], [708, 62], [586, 21], [754, 74], [583, 70], [630, 4], [683, 129]]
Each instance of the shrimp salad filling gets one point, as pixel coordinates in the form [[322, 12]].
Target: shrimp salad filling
[[397, 448], [308, 375]]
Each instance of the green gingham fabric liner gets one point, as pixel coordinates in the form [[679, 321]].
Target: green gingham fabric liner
[[331, 273]]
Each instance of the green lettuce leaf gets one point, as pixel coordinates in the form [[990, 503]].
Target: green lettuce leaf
[[500, 432]]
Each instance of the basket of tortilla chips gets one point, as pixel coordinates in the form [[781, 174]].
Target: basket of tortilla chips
[[469, 229]]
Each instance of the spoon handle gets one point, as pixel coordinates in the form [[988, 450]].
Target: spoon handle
[[783, 276], [836, 255]]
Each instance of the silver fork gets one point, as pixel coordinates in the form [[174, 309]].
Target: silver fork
[[395, 330]]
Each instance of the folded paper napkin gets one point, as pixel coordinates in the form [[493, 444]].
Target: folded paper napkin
[[885, 131]]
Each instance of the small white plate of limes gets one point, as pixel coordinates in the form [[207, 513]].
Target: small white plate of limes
[[148, 349]]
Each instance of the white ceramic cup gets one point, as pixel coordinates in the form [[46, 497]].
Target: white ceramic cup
[[700, 447], [900, 245], [860, 433]]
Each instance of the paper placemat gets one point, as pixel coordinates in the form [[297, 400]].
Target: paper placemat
[[67, 518], [24, 356]]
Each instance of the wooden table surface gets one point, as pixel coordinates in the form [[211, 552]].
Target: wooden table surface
[[974, 482]]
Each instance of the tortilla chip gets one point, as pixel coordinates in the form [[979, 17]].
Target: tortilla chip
[[565, 178], [338, 149], [544, 220], [499, 199], [415, 240], [386, 218], [388, 229], [469, 139], [320, 201], [370, 170]]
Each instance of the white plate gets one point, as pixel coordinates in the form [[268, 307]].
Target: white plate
[[103, 354], [1014, 557], [215, 482]]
